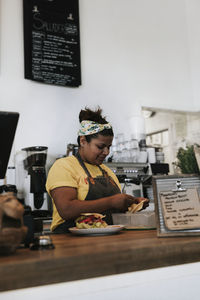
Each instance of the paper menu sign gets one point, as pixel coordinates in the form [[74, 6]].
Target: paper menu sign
[[181, 209]]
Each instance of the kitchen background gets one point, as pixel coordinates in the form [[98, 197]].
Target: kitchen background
[[134, 53], [168, 130]]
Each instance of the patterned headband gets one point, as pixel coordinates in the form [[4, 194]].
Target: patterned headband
[[90, 127]]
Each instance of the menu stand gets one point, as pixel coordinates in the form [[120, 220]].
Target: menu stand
[[177, 205]]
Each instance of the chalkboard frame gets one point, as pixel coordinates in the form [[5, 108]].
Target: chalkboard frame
[[64, 70], [168, 183]]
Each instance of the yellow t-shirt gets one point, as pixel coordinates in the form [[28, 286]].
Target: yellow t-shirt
[[67, 171]]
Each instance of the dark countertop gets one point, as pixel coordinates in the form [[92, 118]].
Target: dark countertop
[[81, 257]]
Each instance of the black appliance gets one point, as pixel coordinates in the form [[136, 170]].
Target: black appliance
[[160, 168], [131, 174], [35, 165], [8, 125]]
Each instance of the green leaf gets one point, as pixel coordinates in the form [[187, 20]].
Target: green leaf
[[187, 160]]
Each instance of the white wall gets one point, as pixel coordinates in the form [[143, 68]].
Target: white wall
[[193, 30], [133, 53]]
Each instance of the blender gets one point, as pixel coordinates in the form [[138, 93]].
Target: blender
[[34, 163]]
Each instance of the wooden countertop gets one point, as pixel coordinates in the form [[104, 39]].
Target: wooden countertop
[[81, 257]]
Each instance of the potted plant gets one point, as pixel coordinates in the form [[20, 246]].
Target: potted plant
[[186, 160]]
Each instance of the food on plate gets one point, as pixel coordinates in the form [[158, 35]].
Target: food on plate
[[136, 207], [90, 220]]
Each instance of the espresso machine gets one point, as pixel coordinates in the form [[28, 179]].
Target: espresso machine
[[35, 194], [135, 178]]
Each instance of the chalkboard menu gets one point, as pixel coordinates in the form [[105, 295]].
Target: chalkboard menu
[[52, 41]]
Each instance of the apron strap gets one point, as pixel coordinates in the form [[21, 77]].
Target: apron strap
[[105, 174], [84, 166]]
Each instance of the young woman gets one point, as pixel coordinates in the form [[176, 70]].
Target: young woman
[[82, 183]]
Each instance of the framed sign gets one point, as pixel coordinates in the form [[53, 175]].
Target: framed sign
[[177, 205], [52, 41]]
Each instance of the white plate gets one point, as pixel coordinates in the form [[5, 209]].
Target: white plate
[[110, 229]]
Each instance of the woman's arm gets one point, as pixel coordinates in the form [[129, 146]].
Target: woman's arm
[[69, 207]]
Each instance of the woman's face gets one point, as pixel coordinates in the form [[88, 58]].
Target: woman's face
[[96, 150]]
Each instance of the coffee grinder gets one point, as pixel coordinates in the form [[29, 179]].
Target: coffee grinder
[[35, 163]]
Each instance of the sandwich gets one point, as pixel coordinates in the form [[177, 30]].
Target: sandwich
[[90, 220], [136, 207]]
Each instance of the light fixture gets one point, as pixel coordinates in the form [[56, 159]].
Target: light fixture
[[148, 113]]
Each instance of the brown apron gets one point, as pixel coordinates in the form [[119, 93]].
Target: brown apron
[[99, 187]]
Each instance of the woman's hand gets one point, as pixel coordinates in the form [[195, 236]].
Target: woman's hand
[[146, 201], [121, 202]]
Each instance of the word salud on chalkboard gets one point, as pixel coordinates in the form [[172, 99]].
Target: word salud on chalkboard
[[181, 209], [52, 42]]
